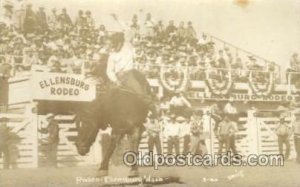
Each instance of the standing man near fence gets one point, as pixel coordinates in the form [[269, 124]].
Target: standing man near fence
[[196, 133], [172, 131], [52, 130], [296, 131], [283, 132], [226, 135], [153, 130], [4, 147]]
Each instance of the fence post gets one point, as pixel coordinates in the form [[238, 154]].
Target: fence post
[[252, 132], [289, 90], [33, 120]]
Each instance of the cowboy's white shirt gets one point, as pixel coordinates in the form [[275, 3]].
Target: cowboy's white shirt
[[120, 62]]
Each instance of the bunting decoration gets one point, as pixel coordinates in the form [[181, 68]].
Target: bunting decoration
[[264, 87], [221, 84], [174, 78]]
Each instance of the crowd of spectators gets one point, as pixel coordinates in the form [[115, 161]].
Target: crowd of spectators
[[55, 42], [52, 42], [181, 46]]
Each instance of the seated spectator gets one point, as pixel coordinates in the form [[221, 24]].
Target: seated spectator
[[171, 29], [30, 58], [149, 25], [159, 31], [181, 31], [41, 20], [295, 63], [5, 68], [221, 62], [190, 31], [19, 11], [204, 43], [65, 21], [30, 23], [134, 20], [54, 62], [89, 20], [53, 20], [80, 21]]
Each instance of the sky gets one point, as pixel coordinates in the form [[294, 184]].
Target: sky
[[267, 28]]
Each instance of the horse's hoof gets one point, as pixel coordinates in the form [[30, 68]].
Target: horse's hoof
[[102, 173], [133, 173]]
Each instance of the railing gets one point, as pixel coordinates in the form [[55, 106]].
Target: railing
[[194, 69], [238, 50], [194, 73]]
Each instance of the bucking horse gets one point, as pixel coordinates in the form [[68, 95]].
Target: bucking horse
[[123, 110]]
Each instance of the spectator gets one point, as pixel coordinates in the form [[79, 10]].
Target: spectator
[[52, 130], [226, 136], [159, 30], [191, 34], [30, 58], [30, 23], [80, 21], [20, 12], [5, 68], [89, 20], [53, 20], [149, 25], [181, 31], [230, 110], [171, 29], [196, 133], [208, 125], [221, 62], [153, 129], [283, 132], [54, 62], [295, 63], [185, 134], [172, 130], [178, 104], [4, 138], [41, 19], [296, 131], [134, 20], [65, 21]]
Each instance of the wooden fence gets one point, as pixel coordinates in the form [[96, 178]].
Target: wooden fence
[[256, 136]]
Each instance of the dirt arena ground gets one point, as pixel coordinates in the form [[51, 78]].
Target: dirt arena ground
[[287, 176]]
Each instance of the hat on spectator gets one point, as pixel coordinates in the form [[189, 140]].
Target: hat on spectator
[[182, 48], [72, 33], [199, 112], [96, 57], [252, 58], [102, 51], [172, 116], [168, 47], [4, 119], [180, 119], [49, 115], [31, 35]]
